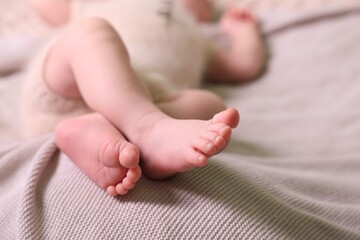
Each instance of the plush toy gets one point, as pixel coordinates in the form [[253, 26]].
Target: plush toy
[[165, 46]]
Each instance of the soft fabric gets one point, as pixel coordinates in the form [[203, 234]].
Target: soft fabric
[[158, 34], [165, 46], [291, 170]]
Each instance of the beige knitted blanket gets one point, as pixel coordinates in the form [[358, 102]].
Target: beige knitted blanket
[[290, 172]]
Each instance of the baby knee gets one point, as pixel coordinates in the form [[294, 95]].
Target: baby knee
[[95, 32]]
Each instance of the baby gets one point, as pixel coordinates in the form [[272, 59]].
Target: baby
[[119, 84]]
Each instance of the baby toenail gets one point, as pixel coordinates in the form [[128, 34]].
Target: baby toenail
[[209, 146]]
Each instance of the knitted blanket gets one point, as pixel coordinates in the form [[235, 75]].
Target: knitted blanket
[[291, 170]]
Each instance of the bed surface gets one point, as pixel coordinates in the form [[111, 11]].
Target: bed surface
[[291, 170]]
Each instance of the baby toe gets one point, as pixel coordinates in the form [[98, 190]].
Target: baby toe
[[134, 174], [121, 190], [128, 184], [206, 147], [129, 156], [111, 190], [215, 138], [230, 117], [221, 129], [196, 158]]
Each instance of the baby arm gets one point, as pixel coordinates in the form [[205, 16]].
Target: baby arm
[[55, 12], [244, 58]]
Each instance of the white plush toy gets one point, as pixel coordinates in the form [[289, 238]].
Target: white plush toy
[[165, 45]]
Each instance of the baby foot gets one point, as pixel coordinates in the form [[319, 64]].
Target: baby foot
[[246, 46], [173, 145], [100, 151]]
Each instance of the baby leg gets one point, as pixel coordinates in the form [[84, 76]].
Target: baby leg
[[100, 151], [192, 104], [91, 62], [246, 43]]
